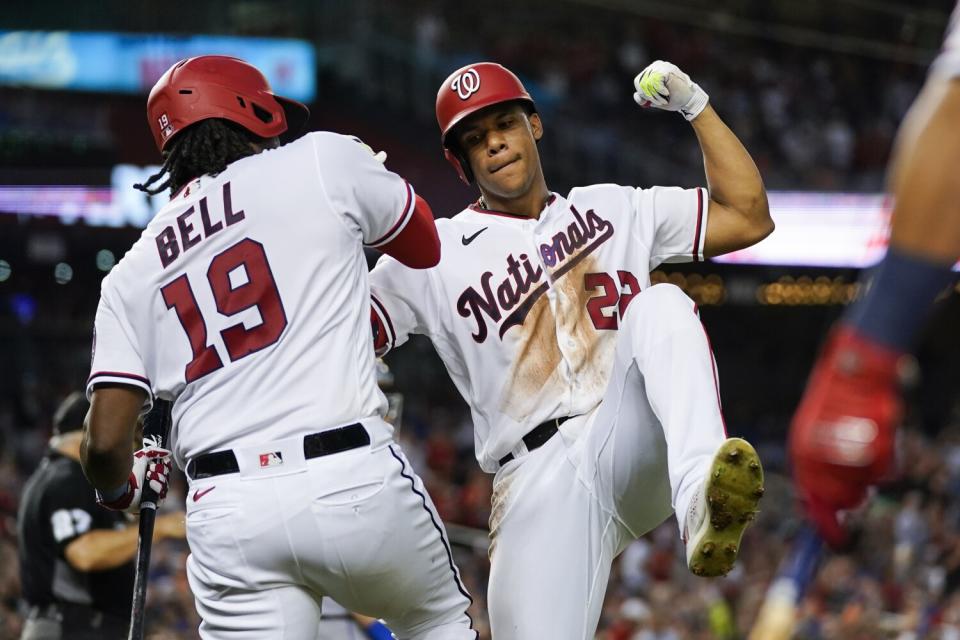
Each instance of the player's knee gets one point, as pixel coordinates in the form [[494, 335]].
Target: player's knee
[[664, 303]]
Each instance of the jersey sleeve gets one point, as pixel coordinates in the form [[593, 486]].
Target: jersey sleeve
[[116, 355], [395, 311], [671, 222], [371, 198], [71, 510]]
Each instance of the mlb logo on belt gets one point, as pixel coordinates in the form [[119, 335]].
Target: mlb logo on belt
[[271, 459]]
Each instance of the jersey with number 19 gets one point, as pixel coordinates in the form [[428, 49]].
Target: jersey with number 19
[[245, 298]]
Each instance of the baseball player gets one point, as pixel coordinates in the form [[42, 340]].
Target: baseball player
[[245, 302], [594, 395], [842, 436]]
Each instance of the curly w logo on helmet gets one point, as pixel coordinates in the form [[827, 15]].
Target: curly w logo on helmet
[[466, 84]]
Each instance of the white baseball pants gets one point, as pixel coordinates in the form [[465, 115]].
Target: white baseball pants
[[563, 512], [268, 543]]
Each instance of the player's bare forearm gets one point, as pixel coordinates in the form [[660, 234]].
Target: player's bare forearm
[[926, 215], [106, 468], [106, 451], [103, 549], [739, 214]]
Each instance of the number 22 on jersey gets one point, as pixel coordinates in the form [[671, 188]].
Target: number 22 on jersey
[[606, 308], [259, 290]]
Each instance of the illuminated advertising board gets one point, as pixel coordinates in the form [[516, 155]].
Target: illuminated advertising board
[[132, 63]]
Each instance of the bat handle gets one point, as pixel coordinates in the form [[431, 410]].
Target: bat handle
[[148, 514], [156, 424], [805, 559], [777, 617]]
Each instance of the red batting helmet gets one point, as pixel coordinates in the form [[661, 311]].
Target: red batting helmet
[[219, 87], [466, 91]]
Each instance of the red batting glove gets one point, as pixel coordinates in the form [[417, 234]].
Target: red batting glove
[[151, 466], [841, 438]]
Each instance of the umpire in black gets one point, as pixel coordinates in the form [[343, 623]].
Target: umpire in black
[[76, 558]]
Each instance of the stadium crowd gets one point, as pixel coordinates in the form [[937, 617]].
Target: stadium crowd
[[813, 117]]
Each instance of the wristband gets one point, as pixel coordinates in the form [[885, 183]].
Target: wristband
[[696, 104], [112, 495], [899, 298]]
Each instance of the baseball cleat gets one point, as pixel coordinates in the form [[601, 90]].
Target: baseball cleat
[[723, 509]]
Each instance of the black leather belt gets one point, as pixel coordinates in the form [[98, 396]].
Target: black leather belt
[[315, 445], [538, 436]]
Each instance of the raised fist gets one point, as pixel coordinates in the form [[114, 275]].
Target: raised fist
[[663, 85]]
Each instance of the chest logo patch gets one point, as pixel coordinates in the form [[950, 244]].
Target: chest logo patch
[[511, 299]]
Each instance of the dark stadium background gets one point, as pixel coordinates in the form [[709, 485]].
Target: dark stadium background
[[815, 89]]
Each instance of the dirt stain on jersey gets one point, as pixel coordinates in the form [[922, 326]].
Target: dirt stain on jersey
[[574, 318], [535, 365], [588, 351]]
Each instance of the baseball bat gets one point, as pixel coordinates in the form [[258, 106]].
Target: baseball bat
[[778, 615], [157, 426]]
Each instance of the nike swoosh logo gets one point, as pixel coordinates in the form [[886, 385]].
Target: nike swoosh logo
[[465, 240], [199, 494]]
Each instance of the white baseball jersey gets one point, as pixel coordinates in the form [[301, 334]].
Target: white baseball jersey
[[523, 311], [948, 62], [246, 297]]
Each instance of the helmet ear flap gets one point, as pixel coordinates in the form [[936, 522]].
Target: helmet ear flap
[[460, 164]]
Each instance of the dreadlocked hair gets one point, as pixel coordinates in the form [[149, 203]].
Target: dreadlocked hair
[[206, 147]]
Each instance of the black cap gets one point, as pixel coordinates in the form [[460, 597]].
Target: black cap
[[70, 413]]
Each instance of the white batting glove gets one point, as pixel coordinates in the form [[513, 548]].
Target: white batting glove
[[151, 465], [662, 85]]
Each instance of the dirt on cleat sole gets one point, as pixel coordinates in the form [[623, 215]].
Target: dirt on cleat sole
[[733, 491]]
